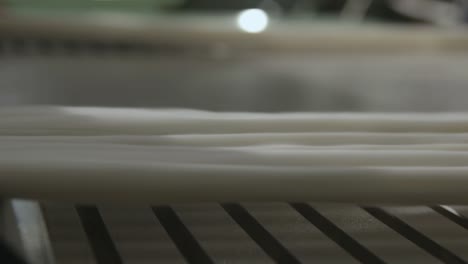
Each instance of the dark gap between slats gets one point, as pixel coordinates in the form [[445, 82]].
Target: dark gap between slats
[[181, 235], [458, 219], [8, 255], [99, 238], [259, 234], [333, 232], [414, 236]]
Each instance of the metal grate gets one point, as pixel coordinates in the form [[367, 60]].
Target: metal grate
[[257, 233]]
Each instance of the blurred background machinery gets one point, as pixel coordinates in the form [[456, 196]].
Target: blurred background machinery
[[310, 55], [432, 11]]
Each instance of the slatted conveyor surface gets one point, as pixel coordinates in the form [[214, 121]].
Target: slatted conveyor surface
[[257, 233]]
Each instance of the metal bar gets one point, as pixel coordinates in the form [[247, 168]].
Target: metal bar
[[415, 236], [259, 234], [353, 247], [458, 219], [181, 235], [98, 235]]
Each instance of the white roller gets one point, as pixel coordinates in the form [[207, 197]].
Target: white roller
[[257, 156], [99, 121], [249, 139], [162, 156], [167, 183]]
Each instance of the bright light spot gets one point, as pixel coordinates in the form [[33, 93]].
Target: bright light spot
[[450, 209], [252, 20]]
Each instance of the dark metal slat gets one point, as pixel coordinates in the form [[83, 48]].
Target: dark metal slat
[[458, 219], [181, 235], [259, 234], [99, 238], [414, 236], [333, 232]]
